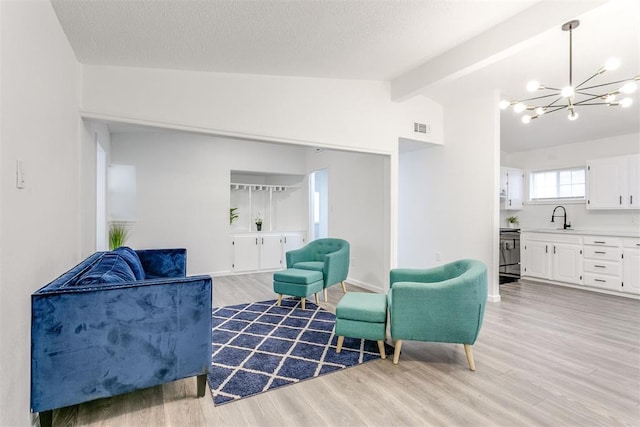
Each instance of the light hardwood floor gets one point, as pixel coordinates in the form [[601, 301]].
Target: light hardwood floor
[[546, 355]]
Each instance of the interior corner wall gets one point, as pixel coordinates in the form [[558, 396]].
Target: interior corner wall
[[39, 224], [447, 207], [359, 211]]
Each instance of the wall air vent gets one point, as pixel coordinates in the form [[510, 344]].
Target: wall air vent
[[421, 128]]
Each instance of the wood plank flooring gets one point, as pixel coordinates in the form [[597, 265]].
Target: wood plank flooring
[[546, 356]]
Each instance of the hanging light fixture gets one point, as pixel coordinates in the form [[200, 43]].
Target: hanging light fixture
[[569, 98]]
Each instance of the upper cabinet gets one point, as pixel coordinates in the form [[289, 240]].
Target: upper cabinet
[[614, 183], [511, 180]]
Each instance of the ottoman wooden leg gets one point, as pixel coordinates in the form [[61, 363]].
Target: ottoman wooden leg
[[279, 299], [396, 353], [317, 299], [324, 293], [303, 300], [383, 353], [340, 342], [344, 288]]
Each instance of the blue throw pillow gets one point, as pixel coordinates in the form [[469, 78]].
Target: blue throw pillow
[[131, 257], [111, 268]]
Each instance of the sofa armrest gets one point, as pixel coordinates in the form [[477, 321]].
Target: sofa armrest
[[163, 262]]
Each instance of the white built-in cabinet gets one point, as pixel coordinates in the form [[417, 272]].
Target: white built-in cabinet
[[281, 201], [552, 257], [614, 182], [511, 180], [599, 262], [263, 251]]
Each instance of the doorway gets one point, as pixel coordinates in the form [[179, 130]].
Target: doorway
[[318, 204], [101, 198]]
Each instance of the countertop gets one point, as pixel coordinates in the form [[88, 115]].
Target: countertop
[[584, 232]]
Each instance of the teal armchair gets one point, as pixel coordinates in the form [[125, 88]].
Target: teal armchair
[[441, 304], [329, 256]]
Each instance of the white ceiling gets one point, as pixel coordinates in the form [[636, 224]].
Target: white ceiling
[[370, 40]]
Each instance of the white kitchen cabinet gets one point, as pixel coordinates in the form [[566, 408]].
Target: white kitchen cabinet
[[552, 257], [566, 263], [613, 183], [511, 180], [631, 266], [535, 259], [603, 262]]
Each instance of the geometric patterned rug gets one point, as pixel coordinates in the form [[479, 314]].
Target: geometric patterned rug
[[259, 347]]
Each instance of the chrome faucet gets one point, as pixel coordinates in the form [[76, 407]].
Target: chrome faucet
[[553, 215]]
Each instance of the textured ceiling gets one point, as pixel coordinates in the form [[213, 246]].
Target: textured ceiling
[[366, 40], [369, 40]]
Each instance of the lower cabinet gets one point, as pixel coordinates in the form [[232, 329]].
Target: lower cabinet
[[603, 262], [552, 257], [262, 251], [631, 266]]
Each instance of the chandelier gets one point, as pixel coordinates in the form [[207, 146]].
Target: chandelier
[[569, 97]]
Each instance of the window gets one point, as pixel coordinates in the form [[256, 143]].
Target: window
[[557, 184]]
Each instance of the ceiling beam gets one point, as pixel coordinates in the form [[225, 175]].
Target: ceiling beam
[[493, 45]]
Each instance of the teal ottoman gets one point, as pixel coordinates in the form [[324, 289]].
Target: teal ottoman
[[298, 283], [362, 315]]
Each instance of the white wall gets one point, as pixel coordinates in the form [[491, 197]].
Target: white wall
[[570, 155], [40, 235], [329, 112], [447, 207], [359, 207], [183, 189]]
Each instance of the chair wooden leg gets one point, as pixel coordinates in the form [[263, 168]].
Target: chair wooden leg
[[467, 350], [202, 383], [303, 301], [317, 299], [279, 299], [344, 288], [383, 353], [324, 293], [339, 345], [396, 353]]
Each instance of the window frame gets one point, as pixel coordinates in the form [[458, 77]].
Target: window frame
[[554, 200]]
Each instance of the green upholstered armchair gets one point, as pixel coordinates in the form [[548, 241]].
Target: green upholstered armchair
[[441, 304], [329, 256]]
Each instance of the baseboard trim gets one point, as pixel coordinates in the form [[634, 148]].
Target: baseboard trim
[[493, 298], [581, 287], [364, 285]]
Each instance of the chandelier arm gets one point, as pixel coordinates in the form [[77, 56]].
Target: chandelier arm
[[539, 97], [596, 103], [591, 94], [596, 74], [588, 99], [607, 84], [551, 105]]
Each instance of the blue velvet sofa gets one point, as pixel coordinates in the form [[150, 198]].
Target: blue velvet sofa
[[119, 321]]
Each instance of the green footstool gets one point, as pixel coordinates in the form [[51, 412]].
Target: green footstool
[[362, 315], [298, 283]]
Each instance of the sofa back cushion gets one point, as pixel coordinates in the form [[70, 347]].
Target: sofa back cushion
[[111, 268], [131, 258]]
